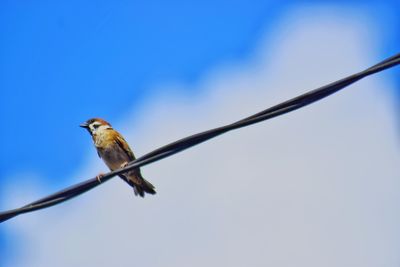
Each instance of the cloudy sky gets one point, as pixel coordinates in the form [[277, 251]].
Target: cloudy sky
[[317, 187]]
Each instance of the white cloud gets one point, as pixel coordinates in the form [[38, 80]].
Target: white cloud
[[317, 187]]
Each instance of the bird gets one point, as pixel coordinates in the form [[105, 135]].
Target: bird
[[116, 153]]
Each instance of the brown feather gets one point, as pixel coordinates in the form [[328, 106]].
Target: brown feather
[[115, 152], [124, 145]]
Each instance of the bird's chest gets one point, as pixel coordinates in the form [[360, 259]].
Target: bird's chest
[[113, 156], [111, 153]]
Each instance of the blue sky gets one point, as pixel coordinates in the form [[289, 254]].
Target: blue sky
[[63, 62], [66, 61]]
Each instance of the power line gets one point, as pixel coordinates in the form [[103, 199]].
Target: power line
[[190, 141]]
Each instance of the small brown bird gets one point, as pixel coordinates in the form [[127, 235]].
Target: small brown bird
[[116, 153]]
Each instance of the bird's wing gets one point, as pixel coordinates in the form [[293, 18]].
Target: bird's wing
[[120, 141]]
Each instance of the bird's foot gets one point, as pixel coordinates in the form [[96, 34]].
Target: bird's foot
[[123, 165], [99, 176]]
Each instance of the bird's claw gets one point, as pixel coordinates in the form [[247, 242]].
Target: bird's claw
[[98, 177]]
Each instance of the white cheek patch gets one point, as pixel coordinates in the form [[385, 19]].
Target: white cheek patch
[[100, 127], [92, 128], [103, 127]]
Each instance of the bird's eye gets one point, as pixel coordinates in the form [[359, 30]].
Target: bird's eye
[[96, 126]]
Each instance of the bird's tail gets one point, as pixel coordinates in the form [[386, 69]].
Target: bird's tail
[[138, 183], [144, 187]]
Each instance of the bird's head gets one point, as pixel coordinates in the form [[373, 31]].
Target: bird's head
[[95, 125]]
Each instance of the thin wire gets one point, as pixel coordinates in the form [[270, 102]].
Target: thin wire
[[190, 141]]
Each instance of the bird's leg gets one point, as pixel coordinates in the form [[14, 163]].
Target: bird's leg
[[99, 177], [123, 165]]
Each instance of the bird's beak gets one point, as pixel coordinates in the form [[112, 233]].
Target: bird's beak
[[84, 125]]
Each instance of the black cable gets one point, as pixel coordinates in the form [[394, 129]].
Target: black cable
[[187, 142]]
